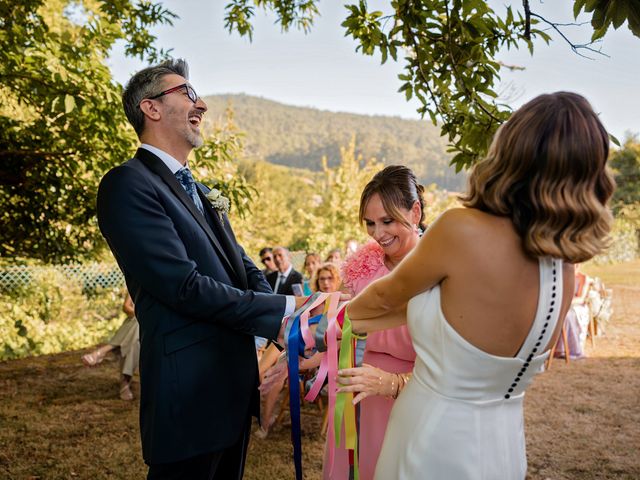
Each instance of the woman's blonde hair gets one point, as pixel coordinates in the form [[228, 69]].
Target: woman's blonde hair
[[546, 170], [326, 267]]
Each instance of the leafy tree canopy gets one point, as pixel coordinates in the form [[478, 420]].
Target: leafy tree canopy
[[625, 163], [448, 48], [61, 119]]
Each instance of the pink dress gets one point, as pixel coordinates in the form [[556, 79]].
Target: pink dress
[[390, 350]]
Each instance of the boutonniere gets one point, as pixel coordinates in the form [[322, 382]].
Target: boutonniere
[[219, 202]]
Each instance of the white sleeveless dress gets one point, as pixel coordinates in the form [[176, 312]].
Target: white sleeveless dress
[[460, 417]]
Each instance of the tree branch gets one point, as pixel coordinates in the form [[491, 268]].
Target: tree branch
[[527, 19], [574, 47]]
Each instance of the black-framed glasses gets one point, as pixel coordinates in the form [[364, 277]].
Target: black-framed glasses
[[191, 93]]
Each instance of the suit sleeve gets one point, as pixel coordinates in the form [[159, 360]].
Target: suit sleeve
[[255, 278], [143, 239]]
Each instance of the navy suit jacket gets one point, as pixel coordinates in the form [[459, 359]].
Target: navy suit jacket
[[287, 288], [199, 300]]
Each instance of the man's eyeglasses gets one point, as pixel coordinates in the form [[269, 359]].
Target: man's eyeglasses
[[191, 93], [266, 259]]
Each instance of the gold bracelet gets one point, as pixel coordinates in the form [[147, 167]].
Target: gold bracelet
[[393, 384], [395, 395], [405, 378]]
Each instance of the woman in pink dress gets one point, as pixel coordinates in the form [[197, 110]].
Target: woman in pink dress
[[391, 207]]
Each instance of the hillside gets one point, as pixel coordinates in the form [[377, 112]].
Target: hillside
[[300, 137]]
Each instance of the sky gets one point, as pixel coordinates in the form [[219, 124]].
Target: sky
[[322, 69]]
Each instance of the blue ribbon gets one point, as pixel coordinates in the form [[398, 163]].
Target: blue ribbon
[[301, 346], [295, 343]]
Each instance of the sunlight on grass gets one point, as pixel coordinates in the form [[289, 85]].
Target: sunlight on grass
[[627, 273]]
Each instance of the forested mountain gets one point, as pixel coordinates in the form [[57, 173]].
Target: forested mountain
[[300, 137]]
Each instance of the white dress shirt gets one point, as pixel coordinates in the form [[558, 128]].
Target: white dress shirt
[[282, 278], [171, 163]]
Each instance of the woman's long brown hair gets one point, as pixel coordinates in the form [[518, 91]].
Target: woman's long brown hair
[[546, 170]]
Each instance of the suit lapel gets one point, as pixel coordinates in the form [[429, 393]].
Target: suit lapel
[[158, 167], [225, 238], [288, 283]]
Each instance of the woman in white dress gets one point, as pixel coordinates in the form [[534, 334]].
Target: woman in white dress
[[483, 290]]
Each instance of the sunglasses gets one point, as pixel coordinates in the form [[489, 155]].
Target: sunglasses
[[266, 259]]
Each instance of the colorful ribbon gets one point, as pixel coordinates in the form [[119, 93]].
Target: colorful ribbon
[[341, 409]]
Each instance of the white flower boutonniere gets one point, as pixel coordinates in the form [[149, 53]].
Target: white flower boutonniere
[[219, 202]]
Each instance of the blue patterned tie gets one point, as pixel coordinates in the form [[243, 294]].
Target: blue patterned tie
[[189, 184]]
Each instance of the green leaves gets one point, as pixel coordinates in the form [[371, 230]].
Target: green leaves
[[625, 163], [610, 12], [69, 103], [61, 120], [298, 13], [450, 52]]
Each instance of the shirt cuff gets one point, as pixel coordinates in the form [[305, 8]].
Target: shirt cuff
[[291, 306]]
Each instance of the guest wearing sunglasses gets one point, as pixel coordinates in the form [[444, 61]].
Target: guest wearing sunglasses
[[266, 257]]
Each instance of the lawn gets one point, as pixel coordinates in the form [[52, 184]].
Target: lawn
[[61, 420]]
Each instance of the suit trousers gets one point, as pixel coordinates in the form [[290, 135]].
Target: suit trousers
[[227, 464]]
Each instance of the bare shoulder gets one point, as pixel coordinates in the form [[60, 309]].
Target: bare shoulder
[[465, 223]]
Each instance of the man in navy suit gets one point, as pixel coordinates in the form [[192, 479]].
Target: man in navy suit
[[285, 277], [199, 299]]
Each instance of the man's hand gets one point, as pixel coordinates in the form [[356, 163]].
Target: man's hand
[[276, 375], [344, 297]]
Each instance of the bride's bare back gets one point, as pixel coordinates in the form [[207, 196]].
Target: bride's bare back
[[490, 288]]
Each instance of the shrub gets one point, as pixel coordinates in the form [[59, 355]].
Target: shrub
[[52, 315], [624, 245]]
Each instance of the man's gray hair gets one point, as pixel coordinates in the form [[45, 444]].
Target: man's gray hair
[[284, 249], [147, 83]]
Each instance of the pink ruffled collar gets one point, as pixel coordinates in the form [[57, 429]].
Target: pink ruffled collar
[[365, 262]]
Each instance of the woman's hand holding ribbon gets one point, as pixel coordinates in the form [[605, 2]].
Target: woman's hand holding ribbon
[[367, 381]]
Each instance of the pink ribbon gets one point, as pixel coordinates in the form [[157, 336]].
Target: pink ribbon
[[309, 341]]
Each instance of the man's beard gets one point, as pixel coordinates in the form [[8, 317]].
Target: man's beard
[[194, 139]]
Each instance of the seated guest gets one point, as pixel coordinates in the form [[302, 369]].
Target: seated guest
[[266, 257], [335, 256], [127, 341], [581, 304], [350, 247], [311, 263], [578, 317], [327, 279], [285, 277]]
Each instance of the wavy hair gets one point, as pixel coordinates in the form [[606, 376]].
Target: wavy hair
[[546, 170], [326, 267]]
